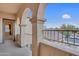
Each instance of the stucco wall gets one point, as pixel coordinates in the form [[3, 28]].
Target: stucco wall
[[7, 16], [26, 32], [17, 26], [1, 30], [46, 50]]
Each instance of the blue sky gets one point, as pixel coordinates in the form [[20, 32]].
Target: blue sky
[[62, 13]]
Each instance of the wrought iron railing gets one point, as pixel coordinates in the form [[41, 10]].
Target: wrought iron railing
[[64, 36]]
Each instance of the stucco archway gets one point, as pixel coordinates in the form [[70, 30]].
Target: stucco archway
[[41, 10], [37, 27], [41, 20], [26, 28]]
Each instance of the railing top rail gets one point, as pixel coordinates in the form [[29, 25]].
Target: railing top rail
[[60, 30]]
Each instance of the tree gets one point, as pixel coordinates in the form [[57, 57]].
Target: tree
[[68, 26], [63, 26]]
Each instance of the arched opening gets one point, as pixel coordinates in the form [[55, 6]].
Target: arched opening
[[61, 16], [26, 29], [41, 10], [58, 14]]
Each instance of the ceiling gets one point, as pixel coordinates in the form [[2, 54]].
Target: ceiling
[[10, 7]]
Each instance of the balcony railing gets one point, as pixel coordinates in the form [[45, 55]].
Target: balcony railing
[[64, 36]]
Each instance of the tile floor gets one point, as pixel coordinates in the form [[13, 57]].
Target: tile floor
[[10, 49]]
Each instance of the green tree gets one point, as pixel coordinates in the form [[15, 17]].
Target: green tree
[[68, 27]]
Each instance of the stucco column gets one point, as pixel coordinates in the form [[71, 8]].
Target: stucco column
[[37, 26], [34, 36], [1, 31], [40, 27]]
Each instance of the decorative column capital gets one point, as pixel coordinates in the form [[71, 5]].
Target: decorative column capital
[[41, 20], [33, 20]]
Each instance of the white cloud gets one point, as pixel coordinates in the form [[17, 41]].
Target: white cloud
[[66, 16]]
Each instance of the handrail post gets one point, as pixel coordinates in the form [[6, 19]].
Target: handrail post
[[62, 36], [74, 37], [58, 36]]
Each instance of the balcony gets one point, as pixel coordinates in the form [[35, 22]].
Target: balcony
[[59, 42], [70, 37]]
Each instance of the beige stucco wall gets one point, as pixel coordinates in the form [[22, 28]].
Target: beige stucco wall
[[26, 32], [7, 16], [17, 26], [1, 31], [46, 50]]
